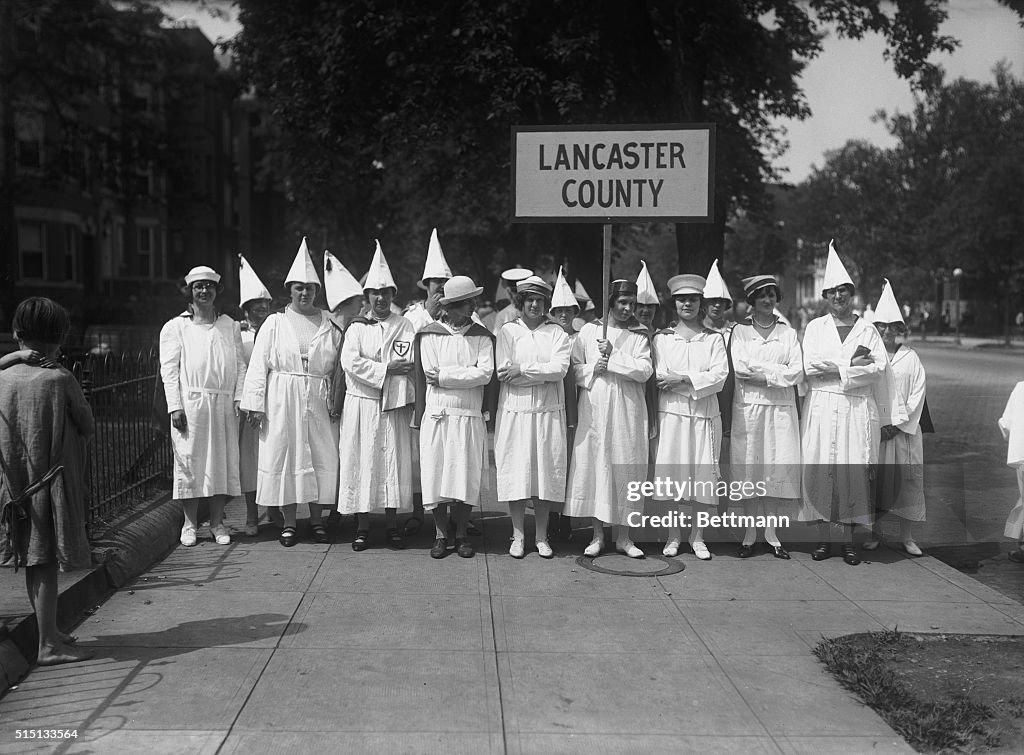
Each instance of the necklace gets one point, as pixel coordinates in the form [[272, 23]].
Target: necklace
[[761, 324]]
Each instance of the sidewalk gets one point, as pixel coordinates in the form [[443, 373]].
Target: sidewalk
[[256, 648]]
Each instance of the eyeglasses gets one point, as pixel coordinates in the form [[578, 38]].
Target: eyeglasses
[[835, 293], [199, 285]]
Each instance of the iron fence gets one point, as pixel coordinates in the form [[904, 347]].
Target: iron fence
[[130, 455]]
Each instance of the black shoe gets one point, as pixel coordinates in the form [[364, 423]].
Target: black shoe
[[746, 551], [823, 551], [319, 532], [440, 549], [779, 552], [288, 537], [850, 555], [394, 539], [464, 548], [362, 541]]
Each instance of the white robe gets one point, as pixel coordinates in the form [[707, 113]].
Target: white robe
[[842, 420], [453, 439], [1011, 424], [689, 419], [298, 454], [529, 437], [610, 448], [203, 371], [765, 438], [376, 443], [901, 459]]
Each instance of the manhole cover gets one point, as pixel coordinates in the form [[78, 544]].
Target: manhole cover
[[624, 566]]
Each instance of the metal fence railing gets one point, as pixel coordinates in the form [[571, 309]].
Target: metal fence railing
[[130, 455]]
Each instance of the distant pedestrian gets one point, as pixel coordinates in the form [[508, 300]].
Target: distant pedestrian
[[1012, 426], [44, 424]]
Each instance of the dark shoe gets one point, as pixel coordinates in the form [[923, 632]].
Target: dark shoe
[[320, 533], [362, 541], [440, 549], [823, 551], [395, 540], [464, 548], [1016, 556], [746, 551], [779, 552], [288, 537], [412, 525], [850, 555]]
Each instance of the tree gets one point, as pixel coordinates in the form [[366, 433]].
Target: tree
[[395, 117]]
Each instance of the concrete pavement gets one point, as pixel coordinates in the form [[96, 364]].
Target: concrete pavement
[[254, 648]]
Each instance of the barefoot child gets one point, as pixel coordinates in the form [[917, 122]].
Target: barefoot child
[[44, 423]]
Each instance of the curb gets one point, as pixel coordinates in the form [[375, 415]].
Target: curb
[[127, 547]]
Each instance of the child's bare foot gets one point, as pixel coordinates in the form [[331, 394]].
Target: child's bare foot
[[62, 654]]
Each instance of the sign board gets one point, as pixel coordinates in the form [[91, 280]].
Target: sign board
[[613, 174]]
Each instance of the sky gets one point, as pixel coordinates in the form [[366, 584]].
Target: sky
[[845, 85]]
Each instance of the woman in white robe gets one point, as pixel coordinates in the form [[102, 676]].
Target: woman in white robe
[[851, 394], [530, 435], [376, 445], [610, 447], [286, 396], [765, 440], [900, 484], [454, 364], [203, 371], [691, 367]]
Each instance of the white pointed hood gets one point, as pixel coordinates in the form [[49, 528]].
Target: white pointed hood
[[379, 274], [715, 287], [302, 270], [339, 283], [581, 293], [645, 291], [563, 295], [436, 265], [835, 270], [888, 309], [249, 284]]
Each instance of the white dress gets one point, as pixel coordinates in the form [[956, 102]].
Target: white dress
[[843, 415], [765, 439], [529, 437], [298, 455], [610, 447], [689, 419], [901, 459], [453, 439], [1011, 424], [376, 443], [203, 371]]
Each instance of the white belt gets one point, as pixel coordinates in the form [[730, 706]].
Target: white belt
[[214, 391], [299, 374], [440, 412], [535, 410]]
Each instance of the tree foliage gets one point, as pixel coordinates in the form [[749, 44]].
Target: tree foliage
[[391, 118]]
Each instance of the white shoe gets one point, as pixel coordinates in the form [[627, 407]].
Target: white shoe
[[220, 534], [671, 549], [627, 547], [870, 545], [517, 549], [188, 536], [700, 550], [912, 548], [594, 549], [544, 550]]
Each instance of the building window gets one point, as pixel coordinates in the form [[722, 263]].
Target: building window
[[71, 253], [32, 250], [145, 251]]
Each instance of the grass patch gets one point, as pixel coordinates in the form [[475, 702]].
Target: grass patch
[[930, 689]]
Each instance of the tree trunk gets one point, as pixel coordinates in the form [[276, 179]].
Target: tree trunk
[[8, 166]]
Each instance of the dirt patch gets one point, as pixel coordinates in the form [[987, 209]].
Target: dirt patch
[[942, 693]]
